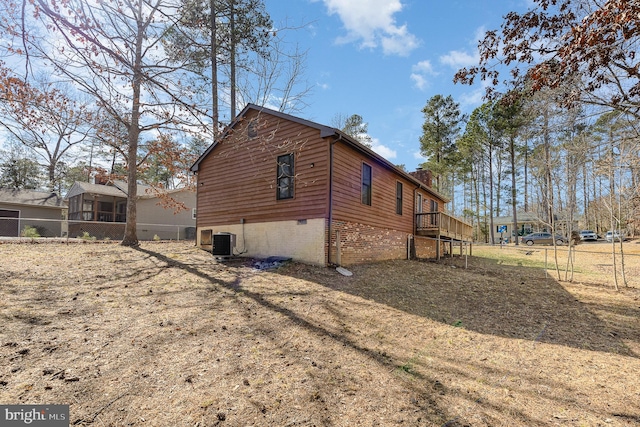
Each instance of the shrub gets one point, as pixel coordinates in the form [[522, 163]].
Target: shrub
[[86, 236], [30, 231]]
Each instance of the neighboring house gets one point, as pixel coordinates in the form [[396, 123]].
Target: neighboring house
[[101, 210], [44, 211], [529, 222], [289, 187]]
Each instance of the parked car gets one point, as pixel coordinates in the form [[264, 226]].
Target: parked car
[[588, 235], [543, 239], [614, 235]]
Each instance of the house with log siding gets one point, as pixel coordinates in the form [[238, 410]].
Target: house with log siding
[[286, 186]]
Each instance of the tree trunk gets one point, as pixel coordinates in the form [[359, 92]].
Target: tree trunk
[[514, 193], [51, 169], [476, 188], [214, 72], [484, 206], [526, 175], [491, 231], [130, 230], [232, 59], [612, 222]]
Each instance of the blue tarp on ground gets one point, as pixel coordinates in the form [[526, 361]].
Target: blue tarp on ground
[[271, 262]]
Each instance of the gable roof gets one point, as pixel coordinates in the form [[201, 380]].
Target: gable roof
[[325, 132], [31, 198], [114, 188], [80, 187]]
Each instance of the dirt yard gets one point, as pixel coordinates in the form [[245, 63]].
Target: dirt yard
[[162, 335]]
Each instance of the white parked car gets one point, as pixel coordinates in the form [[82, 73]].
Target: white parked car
[[588, 235], [614, 235]]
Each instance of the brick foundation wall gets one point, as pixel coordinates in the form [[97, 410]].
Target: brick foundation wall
[[361, 243], [425, 248]]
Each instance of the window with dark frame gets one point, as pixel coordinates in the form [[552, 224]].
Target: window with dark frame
[[285, 177], [399, 198], [366, 184], [252, 129]]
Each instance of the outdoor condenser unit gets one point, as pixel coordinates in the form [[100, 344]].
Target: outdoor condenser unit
[[223, 244]]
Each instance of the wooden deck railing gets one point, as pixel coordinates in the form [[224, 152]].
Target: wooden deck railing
[[439, 224]]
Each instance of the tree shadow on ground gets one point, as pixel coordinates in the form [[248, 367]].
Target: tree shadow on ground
[[425, 402], [518, 303], [506, 301], [336, 330]]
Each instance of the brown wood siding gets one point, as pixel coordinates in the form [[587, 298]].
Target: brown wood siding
[[427, 198], [237, 180], [347, 201]]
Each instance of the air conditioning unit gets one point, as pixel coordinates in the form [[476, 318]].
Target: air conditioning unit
[[223, 244]]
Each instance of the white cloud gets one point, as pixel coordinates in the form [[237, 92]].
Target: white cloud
[[458, 59], [399, 42], [481, 31], [372, 23], [474, 98], [423, 67], [384, 151], [418, 156], [419, 74], [419, 80]]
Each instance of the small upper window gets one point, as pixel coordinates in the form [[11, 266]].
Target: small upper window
[[399, 198], [366, 184], [285, 177], [252, 129]]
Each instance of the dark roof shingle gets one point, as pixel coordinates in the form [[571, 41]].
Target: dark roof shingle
[[31, 198]]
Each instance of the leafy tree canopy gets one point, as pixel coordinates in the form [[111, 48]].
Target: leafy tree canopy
[[559, 40]]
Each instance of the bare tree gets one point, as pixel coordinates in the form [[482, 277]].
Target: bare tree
[[277, 77], [113, 52], [48, 120]]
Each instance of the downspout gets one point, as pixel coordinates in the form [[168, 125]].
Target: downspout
[[415, 213], [331, 197], [415, 217], [197, 237]]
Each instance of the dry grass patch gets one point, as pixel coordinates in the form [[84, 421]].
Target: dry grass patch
[[162, 335]]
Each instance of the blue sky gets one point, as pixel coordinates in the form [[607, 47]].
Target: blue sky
[[384, 59]]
